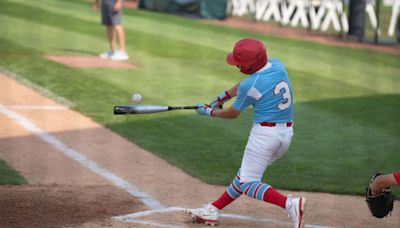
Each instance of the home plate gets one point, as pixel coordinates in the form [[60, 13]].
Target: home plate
[[84, 61]]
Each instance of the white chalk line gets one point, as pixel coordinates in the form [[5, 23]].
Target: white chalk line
[[150, 223], [82, 159], [156, 206], [133, 218], [38, 107]]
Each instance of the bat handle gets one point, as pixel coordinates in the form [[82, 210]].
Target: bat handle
[[182, 107]]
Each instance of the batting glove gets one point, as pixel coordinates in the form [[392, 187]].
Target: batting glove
[[204, 109], [220, 99]]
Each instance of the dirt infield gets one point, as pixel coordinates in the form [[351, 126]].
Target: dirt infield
[[83, 175], [61, 205]]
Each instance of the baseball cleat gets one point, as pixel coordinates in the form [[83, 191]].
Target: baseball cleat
[[207, 214], [295, 208]]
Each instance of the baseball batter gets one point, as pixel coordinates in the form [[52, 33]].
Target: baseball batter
[[267, 88]]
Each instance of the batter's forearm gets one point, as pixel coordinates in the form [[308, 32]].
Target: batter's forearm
[[232, 92], [229, 113]]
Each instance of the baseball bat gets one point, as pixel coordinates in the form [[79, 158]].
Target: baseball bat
[[146, 109]]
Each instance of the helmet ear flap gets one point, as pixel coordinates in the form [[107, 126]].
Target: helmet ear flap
[[256, 65], [246, 70]]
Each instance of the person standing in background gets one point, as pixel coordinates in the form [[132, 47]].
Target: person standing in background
[[111, 18]]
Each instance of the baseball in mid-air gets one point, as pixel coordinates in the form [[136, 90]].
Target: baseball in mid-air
[[136, 98]]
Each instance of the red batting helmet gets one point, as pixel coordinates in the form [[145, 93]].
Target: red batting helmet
[[249, 55]]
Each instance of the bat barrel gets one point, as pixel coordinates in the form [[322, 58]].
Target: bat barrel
[[139, 109], [123, 109]]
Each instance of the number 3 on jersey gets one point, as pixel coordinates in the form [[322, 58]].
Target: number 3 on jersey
[[286, 95]]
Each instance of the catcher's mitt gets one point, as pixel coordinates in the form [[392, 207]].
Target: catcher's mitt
[[381, 205]]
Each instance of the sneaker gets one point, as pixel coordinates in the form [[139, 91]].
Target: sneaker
[[295, 208], [119, 56], [107, 54], [207, 214]]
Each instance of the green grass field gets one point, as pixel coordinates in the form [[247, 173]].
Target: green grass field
[[347, 101], [9, 176]]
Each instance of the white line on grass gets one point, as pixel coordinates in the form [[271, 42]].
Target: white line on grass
[[85, 161]]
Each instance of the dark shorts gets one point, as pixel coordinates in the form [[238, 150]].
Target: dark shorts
[[108, 16]]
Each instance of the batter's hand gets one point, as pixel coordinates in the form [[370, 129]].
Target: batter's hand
[[220, 99], [204, 109]]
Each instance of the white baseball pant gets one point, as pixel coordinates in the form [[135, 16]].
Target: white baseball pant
[[264, 146]]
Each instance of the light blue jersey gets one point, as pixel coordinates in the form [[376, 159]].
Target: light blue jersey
[[270, 93]]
